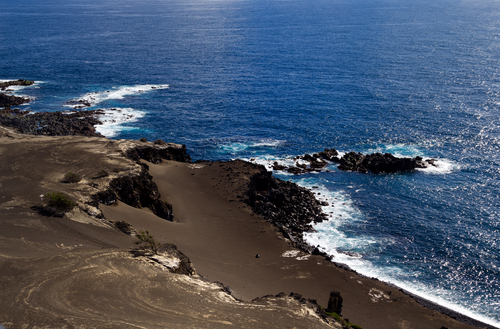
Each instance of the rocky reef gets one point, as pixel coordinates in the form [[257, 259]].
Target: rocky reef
[[20, 82], [6, 100], [377, 163], [310, 162], [353, 161], [80, 123]]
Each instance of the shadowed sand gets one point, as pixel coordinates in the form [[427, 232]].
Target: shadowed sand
[[78, 272]]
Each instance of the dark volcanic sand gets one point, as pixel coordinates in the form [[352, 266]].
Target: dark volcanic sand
[[60, 273], [222, 237]]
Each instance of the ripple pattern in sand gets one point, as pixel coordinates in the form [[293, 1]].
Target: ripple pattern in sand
[[111, 289]]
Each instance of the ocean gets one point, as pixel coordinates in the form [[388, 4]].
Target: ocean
[[269, 80]]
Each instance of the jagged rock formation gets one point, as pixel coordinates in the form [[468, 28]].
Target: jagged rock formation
[[286, 205], [137, 191], [20, 82], [7, 101], [52, 123], [378, 162], [317, 162], [375, 163], [335, 302]]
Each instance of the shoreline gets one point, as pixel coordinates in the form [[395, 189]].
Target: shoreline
[[427, 304], [207, 212]]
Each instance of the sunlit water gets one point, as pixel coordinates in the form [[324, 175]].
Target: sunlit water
[[269, 80]]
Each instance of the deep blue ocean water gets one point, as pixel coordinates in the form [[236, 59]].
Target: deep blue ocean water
[[269, 80]]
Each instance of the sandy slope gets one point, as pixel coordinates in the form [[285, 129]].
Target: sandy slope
[[78, 272]]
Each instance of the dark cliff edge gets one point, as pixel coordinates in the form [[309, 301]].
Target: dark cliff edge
[[158, 152], [140, 190]]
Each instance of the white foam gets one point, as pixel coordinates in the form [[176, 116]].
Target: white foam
[[269, 160], [340, 211], [92, 99], [443, 166], [114, 119], [331, 239]]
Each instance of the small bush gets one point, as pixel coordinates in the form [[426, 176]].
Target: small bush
[[335, 316], [342, 321], [159, 142], [146, 237], [71, 178], [354, 326], [143, 139], [102, 173], [60, 201]]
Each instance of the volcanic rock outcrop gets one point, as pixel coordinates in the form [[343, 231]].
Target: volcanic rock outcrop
[[353, 161], [6, 101], [52, 123], [378, 162], [20, 82], [137, 191], [289, 207]]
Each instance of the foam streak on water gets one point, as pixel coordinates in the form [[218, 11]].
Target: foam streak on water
[[94, 98]]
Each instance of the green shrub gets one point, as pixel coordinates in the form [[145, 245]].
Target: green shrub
[[146, 237], [342, 321], [60, 201], [71, 178], [143, 139], [335, 316]]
